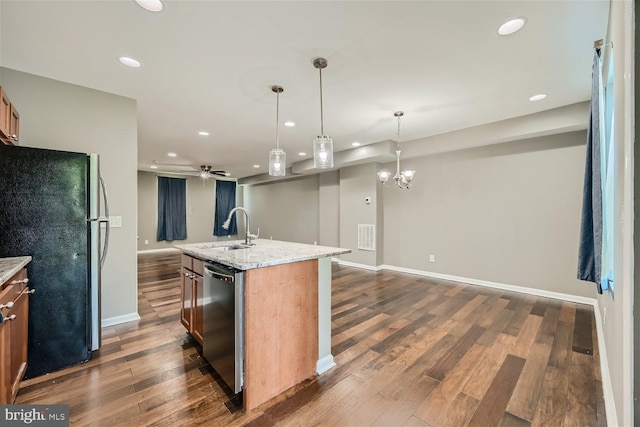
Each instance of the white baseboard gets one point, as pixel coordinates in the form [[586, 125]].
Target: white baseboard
[[111, 321], [325, 364], [153, 251], [363, 266], [607, 388], [496, 285]]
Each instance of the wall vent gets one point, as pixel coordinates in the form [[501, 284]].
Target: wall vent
[[367, 237]]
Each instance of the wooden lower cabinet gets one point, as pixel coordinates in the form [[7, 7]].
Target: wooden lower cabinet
[[186, 285], [14, 298], [198, 312], [192, 287]]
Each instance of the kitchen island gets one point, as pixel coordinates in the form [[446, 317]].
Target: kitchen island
[[286, 303]]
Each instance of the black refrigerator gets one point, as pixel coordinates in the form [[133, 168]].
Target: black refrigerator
[[50, 209]]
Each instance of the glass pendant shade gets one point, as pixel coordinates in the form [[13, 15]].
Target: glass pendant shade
[[322, 152], [383, 176], [277, 162]]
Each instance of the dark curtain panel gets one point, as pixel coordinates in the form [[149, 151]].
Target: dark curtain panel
[[225, 201], [172, 208], [590, 249]]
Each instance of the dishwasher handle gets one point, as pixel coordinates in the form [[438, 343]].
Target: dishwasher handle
[[220, 276]]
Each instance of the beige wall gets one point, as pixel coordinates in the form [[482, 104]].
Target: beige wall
[[356, 184], [62, 116], [284, 210], [329, 208], [507, 213]]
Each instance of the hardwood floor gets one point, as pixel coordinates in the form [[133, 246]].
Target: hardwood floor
[[411, 351]]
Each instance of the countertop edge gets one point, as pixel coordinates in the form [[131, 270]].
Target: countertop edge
[[15, 265], [264, 253], [251, 266]]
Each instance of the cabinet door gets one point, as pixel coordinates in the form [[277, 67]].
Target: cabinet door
[[198, 324], [19, 331], [5, 113], [14, 125], [6, 297], [186, 284]]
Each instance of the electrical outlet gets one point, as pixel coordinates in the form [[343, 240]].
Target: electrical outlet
[[146, 242], [432, 258]]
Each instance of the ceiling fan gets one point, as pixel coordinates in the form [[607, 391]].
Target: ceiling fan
[[205, 171]]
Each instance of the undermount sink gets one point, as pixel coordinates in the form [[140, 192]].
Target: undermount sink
[[231, 247]]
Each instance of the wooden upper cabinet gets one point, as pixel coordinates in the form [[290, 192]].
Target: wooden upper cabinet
[[14, 125], [9, 120]]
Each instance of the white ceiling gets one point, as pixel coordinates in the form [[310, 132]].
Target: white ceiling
[[209, 65]]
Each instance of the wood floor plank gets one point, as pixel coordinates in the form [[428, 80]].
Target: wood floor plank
[[460, 411], [440, 370], [510, 420], [478, 384], [438, 402], [397, 414], [582, 341], [525, 396], [581, 396], [494, 403], [552, 403]]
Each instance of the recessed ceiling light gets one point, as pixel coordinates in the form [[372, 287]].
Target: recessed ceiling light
[[129, 62], [256, 166], [153, 167], [203, 133], [356, 144], [289, 124], [172, 154], [511, 26], [151, 5], [302, 153], [538, 97]]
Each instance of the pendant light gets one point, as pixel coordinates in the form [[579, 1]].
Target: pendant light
[[402, 179], [322, 145], [277, 156]]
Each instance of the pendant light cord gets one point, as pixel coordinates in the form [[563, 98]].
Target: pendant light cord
[[321, 114], [398, 140], [277, 120]]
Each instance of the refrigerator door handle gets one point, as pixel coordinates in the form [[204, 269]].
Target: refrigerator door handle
[[105, 219]]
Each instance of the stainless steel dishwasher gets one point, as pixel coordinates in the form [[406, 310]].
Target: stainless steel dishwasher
[[223, 322]]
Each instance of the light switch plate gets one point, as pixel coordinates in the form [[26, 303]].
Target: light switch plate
[[115, 221]]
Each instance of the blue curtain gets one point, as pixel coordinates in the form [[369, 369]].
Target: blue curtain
[[172, 208], [595, 257], [225, 201]]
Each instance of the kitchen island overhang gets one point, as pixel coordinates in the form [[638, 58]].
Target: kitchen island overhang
[[301, 275]]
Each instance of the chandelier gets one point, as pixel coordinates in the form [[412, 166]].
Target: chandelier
[[402, 179], [277, 156]]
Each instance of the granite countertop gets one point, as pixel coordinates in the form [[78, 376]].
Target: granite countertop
[[264, 253], [10, 266]]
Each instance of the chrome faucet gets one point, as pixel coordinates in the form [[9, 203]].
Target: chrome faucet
[[248, 236]]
